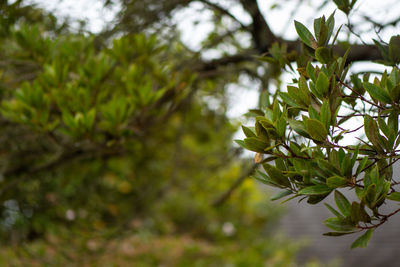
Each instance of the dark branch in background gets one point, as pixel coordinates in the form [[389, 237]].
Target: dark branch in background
[[225, 196], [223, 11], [214, 64], [357, 53], [360, 52], [263, 36], [379, 25]]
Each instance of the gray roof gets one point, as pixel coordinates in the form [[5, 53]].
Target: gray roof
[[305, 221]]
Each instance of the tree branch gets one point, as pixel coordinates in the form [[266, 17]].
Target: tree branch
[[359, 52], [262, 34], [214, 64], [223, 11], [224, 196]]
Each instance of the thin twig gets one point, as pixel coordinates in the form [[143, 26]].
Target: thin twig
[[225, 196]]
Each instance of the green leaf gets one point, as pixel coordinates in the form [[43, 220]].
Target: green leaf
[[325, 114], [383, 127], [313, 113], [354, 158], [316, 129], [311, 71], [299, 95], [261, 127], [395, 196], [276, 111], [338, 233], [355, 212], [314, 199], [328, 167], [323, 55], [394, 48], [255, 144], [317, 27], [395, 93], [248, 132], [287, 99], [68, 119], [341, 71], [90, 118], [377, 93], [372, 132], [298, 127], [276, 175], [304, 91], [323, 34], [393, 121], [305, 35], [322, 84], [335, 212], [330, 22], [361, 165], [363, 240], [240, 143], [383, 49], [346, 166], [342, 203], [281, 126], [339, 224], [358, 213], [315, 190], [281, 194], [370, 195], [263, 178], [336, 181]]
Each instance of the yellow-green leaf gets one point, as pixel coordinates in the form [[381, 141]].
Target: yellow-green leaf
[[305, 35], [315, 190], [363, 240], [377, 93], [336, 181], [316, 129]]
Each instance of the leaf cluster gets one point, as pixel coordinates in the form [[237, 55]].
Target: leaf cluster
[[298, 139]]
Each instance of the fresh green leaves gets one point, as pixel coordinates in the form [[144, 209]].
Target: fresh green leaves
[[316, 129], [304, 128], [336, 181], [322, 84], [315, 190], [345, 5], [377, 93], [342, 203], [276, 175], [363, 240], [305, 35], [323, 55], [323, 30], [372, 132], [395, 196], [339, 225]]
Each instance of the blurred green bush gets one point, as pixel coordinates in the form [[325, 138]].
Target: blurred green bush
[[112, 156]]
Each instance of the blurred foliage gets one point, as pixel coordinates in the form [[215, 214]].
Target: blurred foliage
[[111, 155]]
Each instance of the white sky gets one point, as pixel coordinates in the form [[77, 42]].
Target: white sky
[[90, 10]]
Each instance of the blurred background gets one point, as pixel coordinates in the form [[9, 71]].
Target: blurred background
[[117, 126]]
